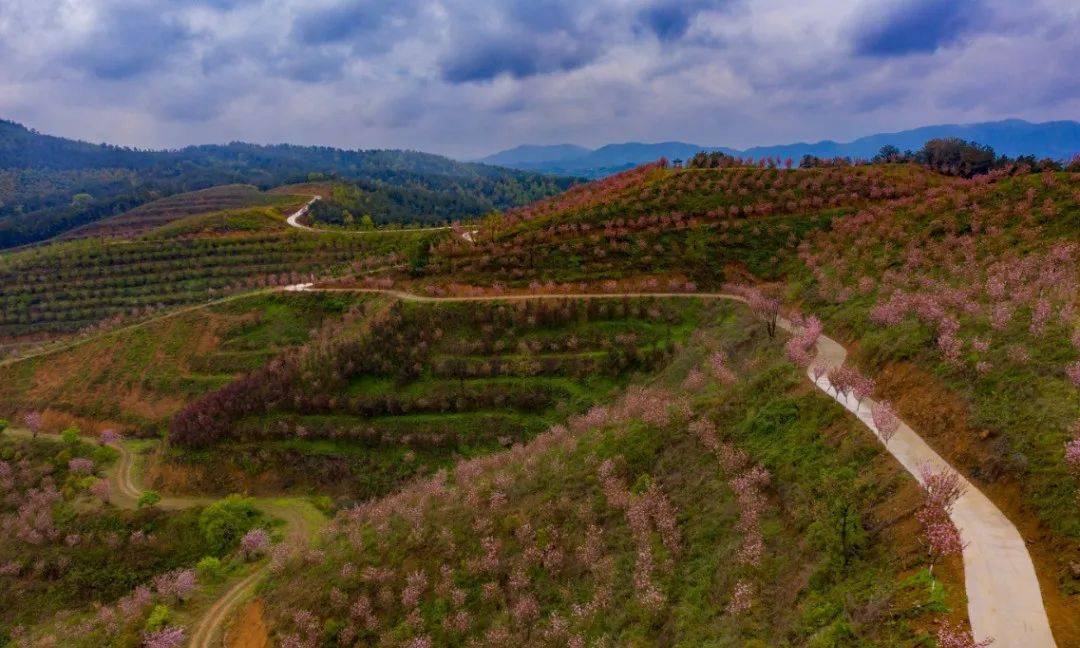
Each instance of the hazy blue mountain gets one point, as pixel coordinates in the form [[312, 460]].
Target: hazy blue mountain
[[1058, 140], [530, 154], [593, 163]]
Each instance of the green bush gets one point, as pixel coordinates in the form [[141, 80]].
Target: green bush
[[4, 424], [70, 435], [209, 569], [148, 498], [225, 521], [159, 616]]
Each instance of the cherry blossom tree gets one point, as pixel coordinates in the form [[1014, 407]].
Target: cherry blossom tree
[[81, 465], [101, 490], [1072, 450], [167, 637], [885, 420], [764, 308], [33, 420], [254, 543]]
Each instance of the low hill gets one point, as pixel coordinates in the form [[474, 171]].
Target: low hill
[[1057, 140], [49, 185], [146, 217], [70, 286]]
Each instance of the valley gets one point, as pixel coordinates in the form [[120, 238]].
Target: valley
[[589, 417]]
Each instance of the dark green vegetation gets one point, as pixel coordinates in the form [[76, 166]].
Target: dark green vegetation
[[365, 204], [49, 185], [137, 378], [409, 387], [66, 287], [625, 528]]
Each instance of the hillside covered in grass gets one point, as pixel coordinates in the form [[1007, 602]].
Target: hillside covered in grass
[[66, 287], [966, 302], [694, 222], [721, 504], [135, 379], [397, 389]]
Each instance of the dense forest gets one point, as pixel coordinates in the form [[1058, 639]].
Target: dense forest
[[49, 185]]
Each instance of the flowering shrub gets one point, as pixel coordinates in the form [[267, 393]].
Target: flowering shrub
[[81, 465], [168, 637], [254, 543], [954, 636]]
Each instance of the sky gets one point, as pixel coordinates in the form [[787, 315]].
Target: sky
[[469, 77]]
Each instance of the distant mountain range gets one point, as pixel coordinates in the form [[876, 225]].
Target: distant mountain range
[[1057, 139]]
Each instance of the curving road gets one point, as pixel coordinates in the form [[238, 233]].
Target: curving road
[[1004, 599], [294, 221]]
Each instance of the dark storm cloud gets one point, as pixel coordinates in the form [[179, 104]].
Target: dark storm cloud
[[915, 26], [519, 57], [340, 22], [669, 19]]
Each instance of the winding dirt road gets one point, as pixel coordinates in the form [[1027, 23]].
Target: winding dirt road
[[300, 517], [294, 221]]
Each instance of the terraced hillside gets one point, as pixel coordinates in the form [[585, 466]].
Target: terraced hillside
[[405, 388], [146, 217], [723, 504], [137, 378], [66, 287]]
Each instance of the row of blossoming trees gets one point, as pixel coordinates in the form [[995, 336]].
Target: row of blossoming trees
[[663, 218], [979, 282], [405, 343], [69, 286]]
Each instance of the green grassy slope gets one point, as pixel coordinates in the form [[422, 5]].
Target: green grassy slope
[[625, 529], [430, 384], [138, 377]]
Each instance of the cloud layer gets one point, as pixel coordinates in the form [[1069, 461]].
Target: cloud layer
[[466, 77]]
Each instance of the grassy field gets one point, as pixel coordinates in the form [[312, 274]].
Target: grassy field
[[137, 378]]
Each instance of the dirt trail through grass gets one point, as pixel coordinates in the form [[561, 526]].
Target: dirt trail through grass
[[1004, 599], [300, 517]]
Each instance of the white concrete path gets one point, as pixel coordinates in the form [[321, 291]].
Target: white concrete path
[[1004, 600]]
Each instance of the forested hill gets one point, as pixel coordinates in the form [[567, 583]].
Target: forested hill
[[49, 185]]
